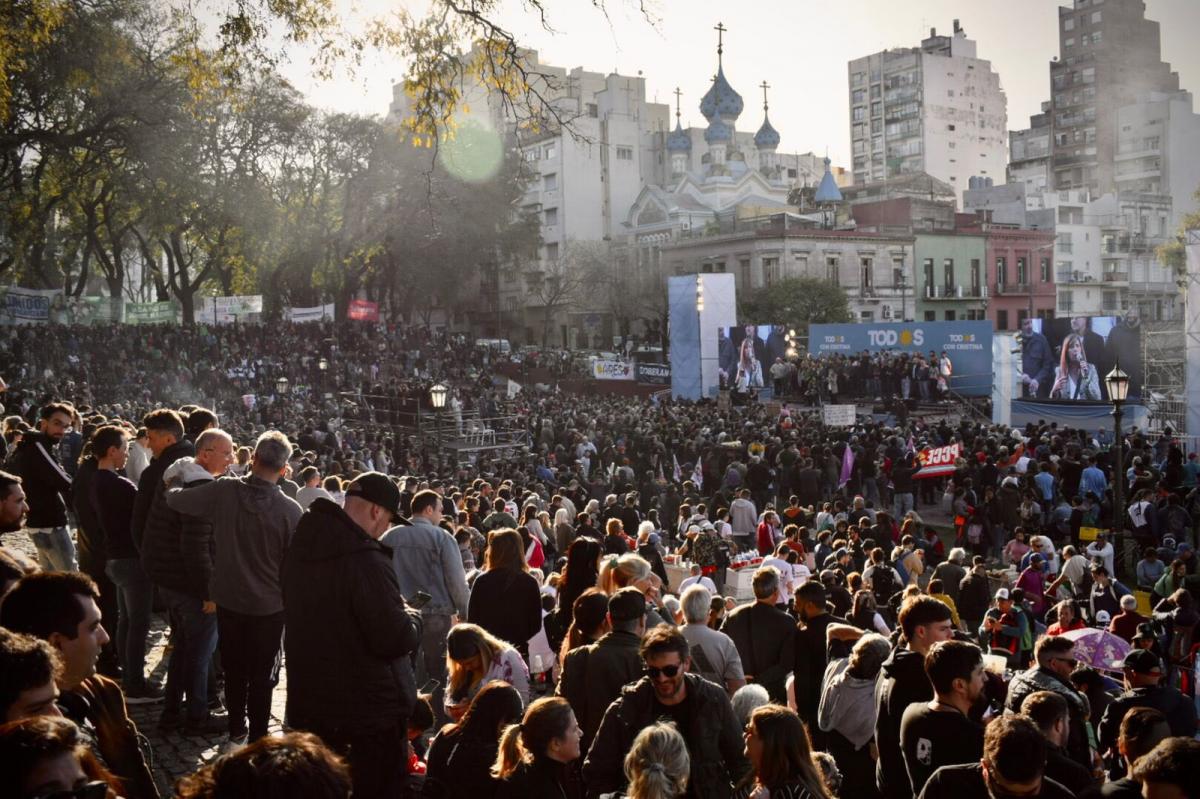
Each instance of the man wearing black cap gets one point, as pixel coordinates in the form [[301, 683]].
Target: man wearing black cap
[[1143, 681], [593, 675], [349, 635]]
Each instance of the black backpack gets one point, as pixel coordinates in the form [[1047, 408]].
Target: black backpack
[[883, 584]]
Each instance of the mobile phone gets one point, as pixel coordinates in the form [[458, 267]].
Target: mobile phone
[[420, 600]]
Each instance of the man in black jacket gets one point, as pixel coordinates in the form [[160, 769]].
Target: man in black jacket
[[176, 554], [164, 430], [811, 652], [593, 675], [47, 486], [765, 636], [350, 637], [923, 621], [1143, 679], [700, 709]]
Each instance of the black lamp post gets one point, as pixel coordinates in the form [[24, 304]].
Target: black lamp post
[[282, 386], [323, 368], [437, 395], [1118, 389]]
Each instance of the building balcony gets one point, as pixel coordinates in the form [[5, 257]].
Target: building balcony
[[955, 292], [1072, 160], [1012, 289], [1116, 278], [1073, 277]]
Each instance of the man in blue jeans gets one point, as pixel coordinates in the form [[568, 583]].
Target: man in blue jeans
[[46, 486], [177, 554]]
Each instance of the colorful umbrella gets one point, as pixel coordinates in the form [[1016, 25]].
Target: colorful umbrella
[[1099, 649]]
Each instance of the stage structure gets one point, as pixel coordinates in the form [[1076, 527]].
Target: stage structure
[[1192, 331], [699, 304]]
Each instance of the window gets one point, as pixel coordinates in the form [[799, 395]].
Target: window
[[1001, 271], [552, 251], [1045, 270], [1022, 277], [1096, 37], [975, 277], [1089, 75], [876, 109], [898, 279], [950, 93], [866, 273], [948, 274], [831, 270], [1097, 16], [931, 316], [1069, 42], [551, 216], [859, 114], [802, 265], [624, 153], [593, 110], [1069, 24], [928, 268], [951, 316], [744, 274], [950, 127], [531, 156], [771, 274], [858, 78], [1001, 319], [1021, 315], [550, 182], [548, 151], [858, 96]]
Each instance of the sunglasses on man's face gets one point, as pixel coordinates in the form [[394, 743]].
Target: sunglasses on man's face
[[98, 789], [666, 671]]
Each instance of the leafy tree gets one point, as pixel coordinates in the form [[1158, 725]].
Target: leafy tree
[[796, 302], [1172, 253]]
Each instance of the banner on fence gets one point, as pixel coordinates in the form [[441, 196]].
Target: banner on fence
[[611, 370], [316, 313], [227, 310], [93, 310], [149, 313], [839, 415], [937, 461], [363, 311], [20, 306], [658, 374]]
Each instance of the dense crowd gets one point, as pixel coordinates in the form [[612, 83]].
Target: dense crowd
[[651, 600]]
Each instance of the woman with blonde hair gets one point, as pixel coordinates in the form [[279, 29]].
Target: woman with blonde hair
[[564, 533], [657, 766], [535, 755], [1074, 377], [474, 658]]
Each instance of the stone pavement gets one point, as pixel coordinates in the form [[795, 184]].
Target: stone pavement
[[173, 754]]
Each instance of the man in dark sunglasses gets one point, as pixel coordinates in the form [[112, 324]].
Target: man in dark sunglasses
[[700, 709], [1055, 660]]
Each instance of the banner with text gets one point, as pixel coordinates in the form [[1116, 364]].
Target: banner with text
[[936, 461], [20, 306], [93, 310], [227, 310], [839, 415], [150, 313], [658, 374], [969, 345], [611, 370], [315, 314], [363, 311]]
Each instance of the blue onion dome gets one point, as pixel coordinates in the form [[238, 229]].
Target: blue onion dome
[[828, 191], [717, 132], [767, 136], [721, 100], [679, 141]]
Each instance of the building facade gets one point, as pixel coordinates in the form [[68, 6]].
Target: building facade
[[937, 109], [951, 276]]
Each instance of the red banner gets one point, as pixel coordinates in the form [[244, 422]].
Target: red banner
[[363, 311], [937, 462]]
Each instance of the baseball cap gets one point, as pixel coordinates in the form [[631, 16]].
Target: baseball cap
[[1142, 661], [1103, 617], [1144, 631], [378, 489], [627, 604], [1002, 593]]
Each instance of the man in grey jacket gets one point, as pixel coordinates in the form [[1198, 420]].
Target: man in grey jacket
[[253, 522], [427, 559]]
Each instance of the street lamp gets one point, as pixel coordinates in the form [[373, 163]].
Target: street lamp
[[323, 365], [1118, 389], [282, 385], [437, 395]]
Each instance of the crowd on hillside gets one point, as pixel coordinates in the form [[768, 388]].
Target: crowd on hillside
[[653, 600]]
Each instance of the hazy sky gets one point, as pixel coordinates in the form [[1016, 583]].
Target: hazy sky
[[799, 46]]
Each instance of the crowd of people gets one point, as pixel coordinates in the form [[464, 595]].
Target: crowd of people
[[569, 620]]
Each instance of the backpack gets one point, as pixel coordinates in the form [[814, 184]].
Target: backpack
[[883, 584]]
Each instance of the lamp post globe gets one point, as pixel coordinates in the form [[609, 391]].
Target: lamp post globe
[[323, 364], [438, 394], [282, 385], [1117, 383]]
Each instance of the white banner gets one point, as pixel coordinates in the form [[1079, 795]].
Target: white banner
[[839, 415], [227, 310], [611, 370], [20, 306], [316, 313]]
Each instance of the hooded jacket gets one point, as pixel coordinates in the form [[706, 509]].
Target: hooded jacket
[[177, 549], [714, 740], [252, 524], [349, 634], [902, 682], [44, 480]]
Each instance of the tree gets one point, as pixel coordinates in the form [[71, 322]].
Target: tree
[[796, 302], [1172, 253], [561, 284]]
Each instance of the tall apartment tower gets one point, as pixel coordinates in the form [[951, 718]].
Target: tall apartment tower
[[1109, 57], [936, 109]]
